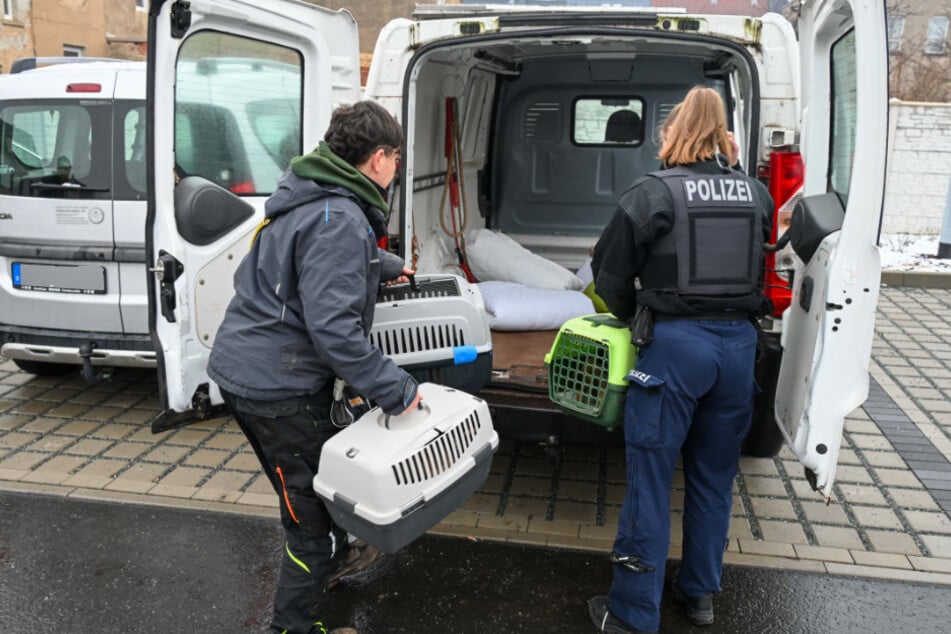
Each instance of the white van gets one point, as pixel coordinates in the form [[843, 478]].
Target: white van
[[72, 203], [73, 195], [533, 87]]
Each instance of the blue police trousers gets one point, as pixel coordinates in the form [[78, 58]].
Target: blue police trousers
[[691, 394]]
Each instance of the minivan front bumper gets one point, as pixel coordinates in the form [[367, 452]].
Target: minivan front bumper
[[63, 346]]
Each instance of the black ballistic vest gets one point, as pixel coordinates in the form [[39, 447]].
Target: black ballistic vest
[[715, 248]]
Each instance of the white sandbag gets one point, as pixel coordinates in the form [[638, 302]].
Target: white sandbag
[[517, 307], [498, 258]]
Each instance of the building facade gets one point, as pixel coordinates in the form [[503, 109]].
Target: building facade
[[16, 32], [919, 50], [72, 28]]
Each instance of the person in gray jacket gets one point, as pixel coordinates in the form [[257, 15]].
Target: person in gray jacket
[[300, 317]]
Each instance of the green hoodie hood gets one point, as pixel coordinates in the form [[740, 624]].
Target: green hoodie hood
[[325, 167]]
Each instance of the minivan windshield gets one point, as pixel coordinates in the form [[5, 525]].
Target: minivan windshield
[[65, 149]]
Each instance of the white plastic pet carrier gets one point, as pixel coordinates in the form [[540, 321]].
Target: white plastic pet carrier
[[388, 479], [439, 331]]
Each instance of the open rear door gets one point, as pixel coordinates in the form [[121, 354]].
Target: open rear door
[[827, 331], [236, 88]]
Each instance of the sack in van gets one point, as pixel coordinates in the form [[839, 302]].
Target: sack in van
[[497, 257]]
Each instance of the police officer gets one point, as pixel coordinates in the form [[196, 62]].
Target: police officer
[[301, 314], [689, 237]]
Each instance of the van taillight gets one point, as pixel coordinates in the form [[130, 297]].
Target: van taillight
[[244, 187], [785, 186], [84, 88]]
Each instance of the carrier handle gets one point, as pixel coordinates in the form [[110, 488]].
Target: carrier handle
[[422, 406]]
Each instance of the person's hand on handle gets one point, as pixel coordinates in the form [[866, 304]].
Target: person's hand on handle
[[402, 279], [416, 402]]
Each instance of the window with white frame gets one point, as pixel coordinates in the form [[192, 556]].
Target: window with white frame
[[141, 5], [896, 28], [937, 35], [73, 51], [8, 9]]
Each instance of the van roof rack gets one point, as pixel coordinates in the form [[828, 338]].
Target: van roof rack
[[31, 63]]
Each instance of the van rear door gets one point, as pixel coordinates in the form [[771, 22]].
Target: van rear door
[[827, 331], [229, 146]]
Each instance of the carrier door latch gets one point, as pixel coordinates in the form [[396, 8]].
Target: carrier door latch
[[167, 270]]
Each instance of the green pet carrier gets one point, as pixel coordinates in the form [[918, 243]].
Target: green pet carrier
[[587, 365]]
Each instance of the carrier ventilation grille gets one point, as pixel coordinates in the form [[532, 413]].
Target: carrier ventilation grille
[[578, 373], [440, 454], [427, 290], [542, 122], [418, 338]]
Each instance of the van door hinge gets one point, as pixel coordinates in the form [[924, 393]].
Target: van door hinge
[[181, 16], [167, 270]]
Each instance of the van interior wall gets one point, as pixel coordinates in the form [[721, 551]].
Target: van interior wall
[[432, 220], [550, 190]]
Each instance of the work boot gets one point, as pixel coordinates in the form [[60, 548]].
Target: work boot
[[606, 622], [356, 558], [699, 609]]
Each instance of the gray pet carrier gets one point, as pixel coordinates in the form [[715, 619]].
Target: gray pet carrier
[[388, 479], [439, 331]]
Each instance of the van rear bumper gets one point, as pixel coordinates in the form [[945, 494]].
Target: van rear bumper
[[63, 346]]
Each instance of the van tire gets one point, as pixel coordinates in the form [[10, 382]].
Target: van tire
[[41, 368]]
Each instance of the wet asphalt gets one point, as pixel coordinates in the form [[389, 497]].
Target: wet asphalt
[[73, 565]]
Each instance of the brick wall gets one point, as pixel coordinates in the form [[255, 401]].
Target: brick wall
[[919, 167]]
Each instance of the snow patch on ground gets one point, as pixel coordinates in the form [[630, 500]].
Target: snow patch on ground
[[909, 252]]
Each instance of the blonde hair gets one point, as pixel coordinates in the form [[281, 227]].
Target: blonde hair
[[696, 129]]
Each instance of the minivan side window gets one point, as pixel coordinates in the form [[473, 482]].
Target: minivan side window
[[844, 105], [237, 111]]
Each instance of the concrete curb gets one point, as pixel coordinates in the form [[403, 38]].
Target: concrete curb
[[917, 279]]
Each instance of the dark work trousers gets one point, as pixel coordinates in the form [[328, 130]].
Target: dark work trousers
[[287, 436], [691, 394]]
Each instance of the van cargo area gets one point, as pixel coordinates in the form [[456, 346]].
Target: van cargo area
[[517, 136]]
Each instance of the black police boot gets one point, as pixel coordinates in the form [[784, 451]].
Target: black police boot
[[606, 622], [699, 609]]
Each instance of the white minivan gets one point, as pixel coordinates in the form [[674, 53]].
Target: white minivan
[[73, 194], [519, 99], [72, 208]]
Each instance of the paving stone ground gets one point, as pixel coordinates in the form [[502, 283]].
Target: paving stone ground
[[890, 515]]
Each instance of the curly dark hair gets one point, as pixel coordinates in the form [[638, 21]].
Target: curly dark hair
[[357, 131]]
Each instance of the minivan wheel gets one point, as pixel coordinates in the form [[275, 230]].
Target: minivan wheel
[[41, 368]]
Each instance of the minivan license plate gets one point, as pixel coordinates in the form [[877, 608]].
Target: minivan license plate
[[57, 278]]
